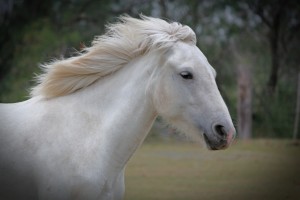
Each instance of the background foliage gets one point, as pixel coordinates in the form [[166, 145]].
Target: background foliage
[[262, 36]]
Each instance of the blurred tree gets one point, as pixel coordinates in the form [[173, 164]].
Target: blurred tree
[[282, 18], [14, 16], [34, 31]]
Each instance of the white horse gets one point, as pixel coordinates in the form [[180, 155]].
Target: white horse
[[88, 114]]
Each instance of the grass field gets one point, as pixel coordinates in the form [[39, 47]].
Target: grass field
[[257, 169]]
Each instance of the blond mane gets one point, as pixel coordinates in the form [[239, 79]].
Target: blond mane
[[123, 41]]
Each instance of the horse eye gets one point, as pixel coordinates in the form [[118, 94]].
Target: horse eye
[[186, 75]]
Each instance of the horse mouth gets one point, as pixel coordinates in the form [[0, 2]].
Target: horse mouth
[[216, 144]]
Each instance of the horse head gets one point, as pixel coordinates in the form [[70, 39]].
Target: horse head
[[186, 96]]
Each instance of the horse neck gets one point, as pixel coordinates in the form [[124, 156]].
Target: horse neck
[[124, 109]]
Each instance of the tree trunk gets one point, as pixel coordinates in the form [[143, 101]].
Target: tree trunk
[[273, 78], [244, 103], [275, 58], [163, 9]]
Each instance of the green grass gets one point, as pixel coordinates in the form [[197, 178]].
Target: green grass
[[257, 169]]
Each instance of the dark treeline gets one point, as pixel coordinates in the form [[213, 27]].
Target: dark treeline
[[254, 46]]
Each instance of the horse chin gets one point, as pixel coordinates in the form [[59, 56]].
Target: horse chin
[[215, 144]]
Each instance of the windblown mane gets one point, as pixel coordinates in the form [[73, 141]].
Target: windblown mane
[[123, 41]]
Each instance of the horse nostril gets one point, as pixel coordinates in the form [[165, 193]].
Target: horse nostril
[[220, 130]]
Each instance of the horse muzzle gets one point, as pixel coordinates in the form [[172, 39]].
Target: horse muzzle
[[220, 137]]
